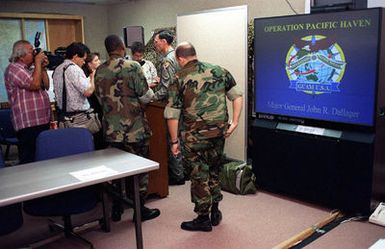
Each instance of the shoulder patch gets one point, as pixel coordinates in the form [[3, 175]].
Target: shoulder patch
[[166, 64]]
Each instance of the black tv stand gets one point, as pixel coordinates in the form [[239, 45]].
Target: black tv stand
[[334, 170]]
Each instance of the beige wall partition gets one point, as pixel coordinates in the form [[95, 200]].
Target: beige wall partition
[[220, 37]]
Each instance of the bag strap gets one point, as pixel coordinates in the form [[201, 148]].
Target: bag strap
[[64, 93]]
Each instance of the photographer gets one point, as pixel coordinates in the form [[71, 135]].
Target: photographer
[[26, 88], [78, 87]]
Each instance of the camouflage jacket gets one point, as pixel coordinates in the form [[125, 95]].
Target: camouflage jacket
[[121, 87], [167, 69], [198, 94]]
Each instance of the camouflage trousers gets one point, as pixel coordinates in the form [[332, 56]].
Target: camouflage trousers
[[140, 149], [203, 160]]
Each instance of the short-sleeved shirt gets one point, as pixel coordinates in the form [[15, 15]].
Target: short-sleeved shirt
[[29, 107], [119, 84], [149, 71], [199, 94], [76, 84]]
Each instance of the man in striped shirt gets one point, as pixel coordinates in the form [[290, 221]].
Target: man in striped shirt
[[26, 81]]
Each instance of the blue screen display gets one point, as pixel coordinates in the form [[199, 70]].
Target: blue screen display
[[321, 66]]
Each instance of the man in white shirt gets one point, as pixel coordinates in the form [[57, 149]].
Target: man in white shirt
[[148, 67]]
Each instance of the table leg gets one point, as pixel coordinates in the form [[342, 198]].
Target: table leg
[[106, 211], [138, 222]]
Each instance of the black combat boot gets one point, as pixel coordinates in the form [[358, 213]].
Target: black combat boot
[[216, 214], [147, 213], [201, 223]]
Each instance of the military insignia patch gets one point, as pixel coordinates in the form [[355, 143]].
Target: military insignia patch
[[166, 64], [315, 64]]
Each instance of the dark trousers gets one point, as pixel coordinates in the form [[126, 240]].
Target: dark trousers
[[99, 140], [27, 142], [141, 149]]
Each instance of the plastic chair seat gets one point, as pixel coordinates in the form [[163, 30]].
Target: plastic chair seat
[[63, 203], [11, 218], [58, 143], [7, 132]]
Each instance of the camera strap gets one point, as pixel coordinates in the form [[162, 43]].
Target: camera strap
[[64, 93]]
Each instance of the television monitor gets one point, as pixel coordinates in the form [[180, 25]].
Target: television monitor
[[319, 69], [133, 34], [330, 2], [337, 5]]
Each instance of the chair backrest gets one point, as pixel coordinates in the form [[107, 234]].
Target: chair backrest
[[11, 217], [62, 142], [58, 143], [6, 127]]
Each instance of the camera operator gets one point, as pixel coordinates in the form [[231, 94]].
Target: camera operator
[[26, 81], [77, 86]]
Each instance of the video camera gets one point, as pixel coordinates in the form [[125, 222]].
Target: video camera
[[54, 59]]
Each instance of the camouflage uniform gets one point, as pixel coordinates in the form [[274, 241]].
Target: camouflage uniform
[[168, 68], [121, 87], [198, 95]]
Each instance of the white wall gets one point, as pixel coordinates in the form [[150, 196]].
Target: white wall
[[376, 3]]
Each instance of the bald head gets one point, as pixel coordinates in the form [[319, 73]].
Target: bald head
[[185, 50]]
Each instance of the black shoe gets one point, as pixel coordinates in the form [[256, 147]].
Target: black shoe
[[116, 213], [176, 182], [201, 223], [148, 213], [216, 217]]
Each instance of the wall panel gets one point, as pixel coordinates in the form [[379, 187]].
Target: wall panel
[[220, 37]]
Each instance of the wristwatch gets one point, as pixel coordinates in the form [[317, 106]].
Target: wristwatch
[[174, 142]]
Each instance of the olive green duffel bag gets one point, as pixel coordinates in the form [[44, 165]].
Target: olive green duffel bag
[[238, 178]]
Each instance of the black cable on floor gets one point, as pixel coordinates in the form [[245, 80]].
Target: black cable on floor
[[325, 229]]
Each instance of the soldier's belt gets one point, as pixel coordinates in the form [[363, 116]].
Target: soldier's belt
[[208, 130]]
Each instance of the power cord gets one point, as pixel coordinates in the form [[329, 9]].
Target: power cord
[[291, 7]]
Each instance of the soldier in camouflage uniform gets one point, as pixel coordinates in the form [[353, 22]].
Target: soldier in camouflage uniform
[[198, 95], [121, 88], [168, 67]]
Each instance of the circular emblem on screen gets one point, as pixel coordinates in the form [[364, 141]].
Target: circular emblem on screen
[[315, 64]]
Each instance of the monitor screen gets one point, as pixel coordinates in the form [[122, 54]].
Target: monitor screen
[[319, 67], [330, 2]]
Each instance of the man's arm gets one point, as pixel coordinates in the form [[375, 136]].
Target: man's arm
[[154, 73], [167, 73], [146, 98], [173, 130], [38, 77], [91, 88], [237, 109], [44, 75], [45, 80]]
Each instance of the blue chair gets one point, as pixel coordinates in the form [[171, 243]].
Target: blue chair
[[11, 217], [57, 143], [7, 132]]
